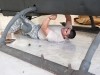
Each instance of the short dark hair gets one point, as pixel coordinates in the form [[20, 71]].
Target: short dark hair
[[72, 34]]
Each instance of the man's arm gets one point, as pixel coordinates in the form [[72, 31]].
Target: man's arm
[[68, 20], [45, 23], [44, 26]]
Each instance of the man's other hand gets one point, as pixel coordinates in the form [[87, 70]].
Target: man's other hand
[[53, 17]]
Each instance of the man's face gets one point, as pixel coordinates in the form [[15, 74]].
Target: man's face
[[65, 32]]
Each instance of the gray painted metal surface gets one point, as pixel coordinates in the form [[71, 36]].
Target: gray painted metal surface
[[75, 7], [26, 27], [92, 22]]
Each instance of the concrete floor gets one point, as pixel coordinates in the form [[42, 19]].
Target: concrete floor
[[70, 51]]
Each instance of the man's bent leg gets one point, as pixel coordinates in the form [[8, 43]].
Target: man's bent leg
[[34, 33]]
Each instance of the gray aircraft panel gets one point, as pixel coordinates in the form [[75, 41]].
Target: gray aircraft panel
[[11, 5], [75, 7]]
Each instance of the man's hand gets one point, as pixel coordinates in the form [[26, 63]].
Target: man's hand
[[53, 17]]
